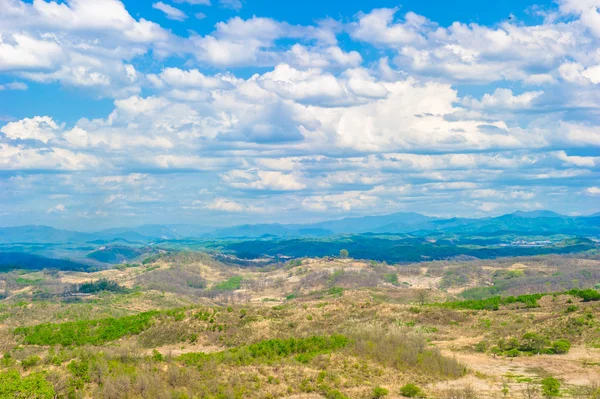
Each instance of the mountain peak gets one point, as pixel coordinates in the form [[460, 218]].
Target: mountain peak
[[542, 213]]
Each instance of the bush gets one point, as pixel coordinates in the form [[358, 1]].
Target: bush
[[270, 350], [101, 285], [561, 346], [550, 387], [157, 356], [32, 386], [481, 347], [232, 284], [379, 392], [30, 362], [93, 332], [411, 391], [512, 353]]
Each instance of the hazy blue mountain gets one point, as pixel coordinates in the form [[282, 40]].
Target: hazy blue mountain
[[537, 214], [254, 230], [20, 260], [39, 234], [118, 253], [528, 222], [395, 222]]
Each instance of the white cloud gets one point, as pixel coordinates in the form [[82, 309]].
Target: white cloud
[[195, 2], [41, 128], [233, 4], [170, 11], [13, 86], [263, 180], [60, 208], [593, 190], [221, 204], [503, 99]]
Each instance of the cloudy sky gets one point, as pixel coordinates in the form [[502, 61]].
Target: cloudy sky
[[231, 111]]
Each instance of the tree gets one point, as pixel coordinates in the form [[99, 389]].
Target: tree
[[379, 392], [344, 253], [550, 387], [422, 297], [411, 391], [530, 391]]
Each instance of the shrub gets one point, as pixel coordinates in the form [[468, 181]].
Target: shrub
[[231, 284], [157, 356], [379, 392], [32, 386], [512, 353], [550, 387], [30, 362], [391, 278], [93, 332], [101, 285], [335, 394], [561, 346], [532, 342], [411, 391], [481, 347], [270, 350], [571, 308]]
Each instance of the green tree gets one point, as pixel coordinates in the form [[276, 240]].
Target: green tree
[[379, 392], [411, 391], [550, 387], [33, 386], [344, 253]]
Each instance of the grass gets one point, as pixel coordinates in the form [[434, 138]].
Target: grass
[[231, 284]]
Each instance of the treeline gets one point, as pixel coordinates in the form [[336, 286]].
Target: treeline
[[528, 300]]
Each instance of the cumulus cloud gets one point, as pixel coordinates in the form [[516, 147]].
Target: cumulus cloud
[[466, 115], [593, 190]]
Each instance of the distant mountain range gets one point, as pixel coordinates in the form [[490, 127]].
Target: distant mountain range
[[534, 222]]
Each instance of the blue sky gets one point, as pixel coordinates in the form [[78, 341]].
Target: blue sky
[[224, 111]]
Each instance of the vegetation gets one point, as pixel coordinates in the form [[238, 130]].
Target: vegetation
[[101, 285], [411, 391], [33, 386], [303, 349], [86, 332], [231, 284], [304, 328]]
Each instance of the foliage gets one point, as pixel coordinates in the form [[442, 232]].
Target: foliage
[[231, 284], [379, 392], [550, 387], [494, 303], [101, 285], [391, 278], [270, 350], [33, 386], [92, 332], [411, 391], [30, 361], [561, 346]]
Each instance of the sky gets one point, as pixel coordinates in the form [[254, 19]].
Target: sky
[[221, 112]]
